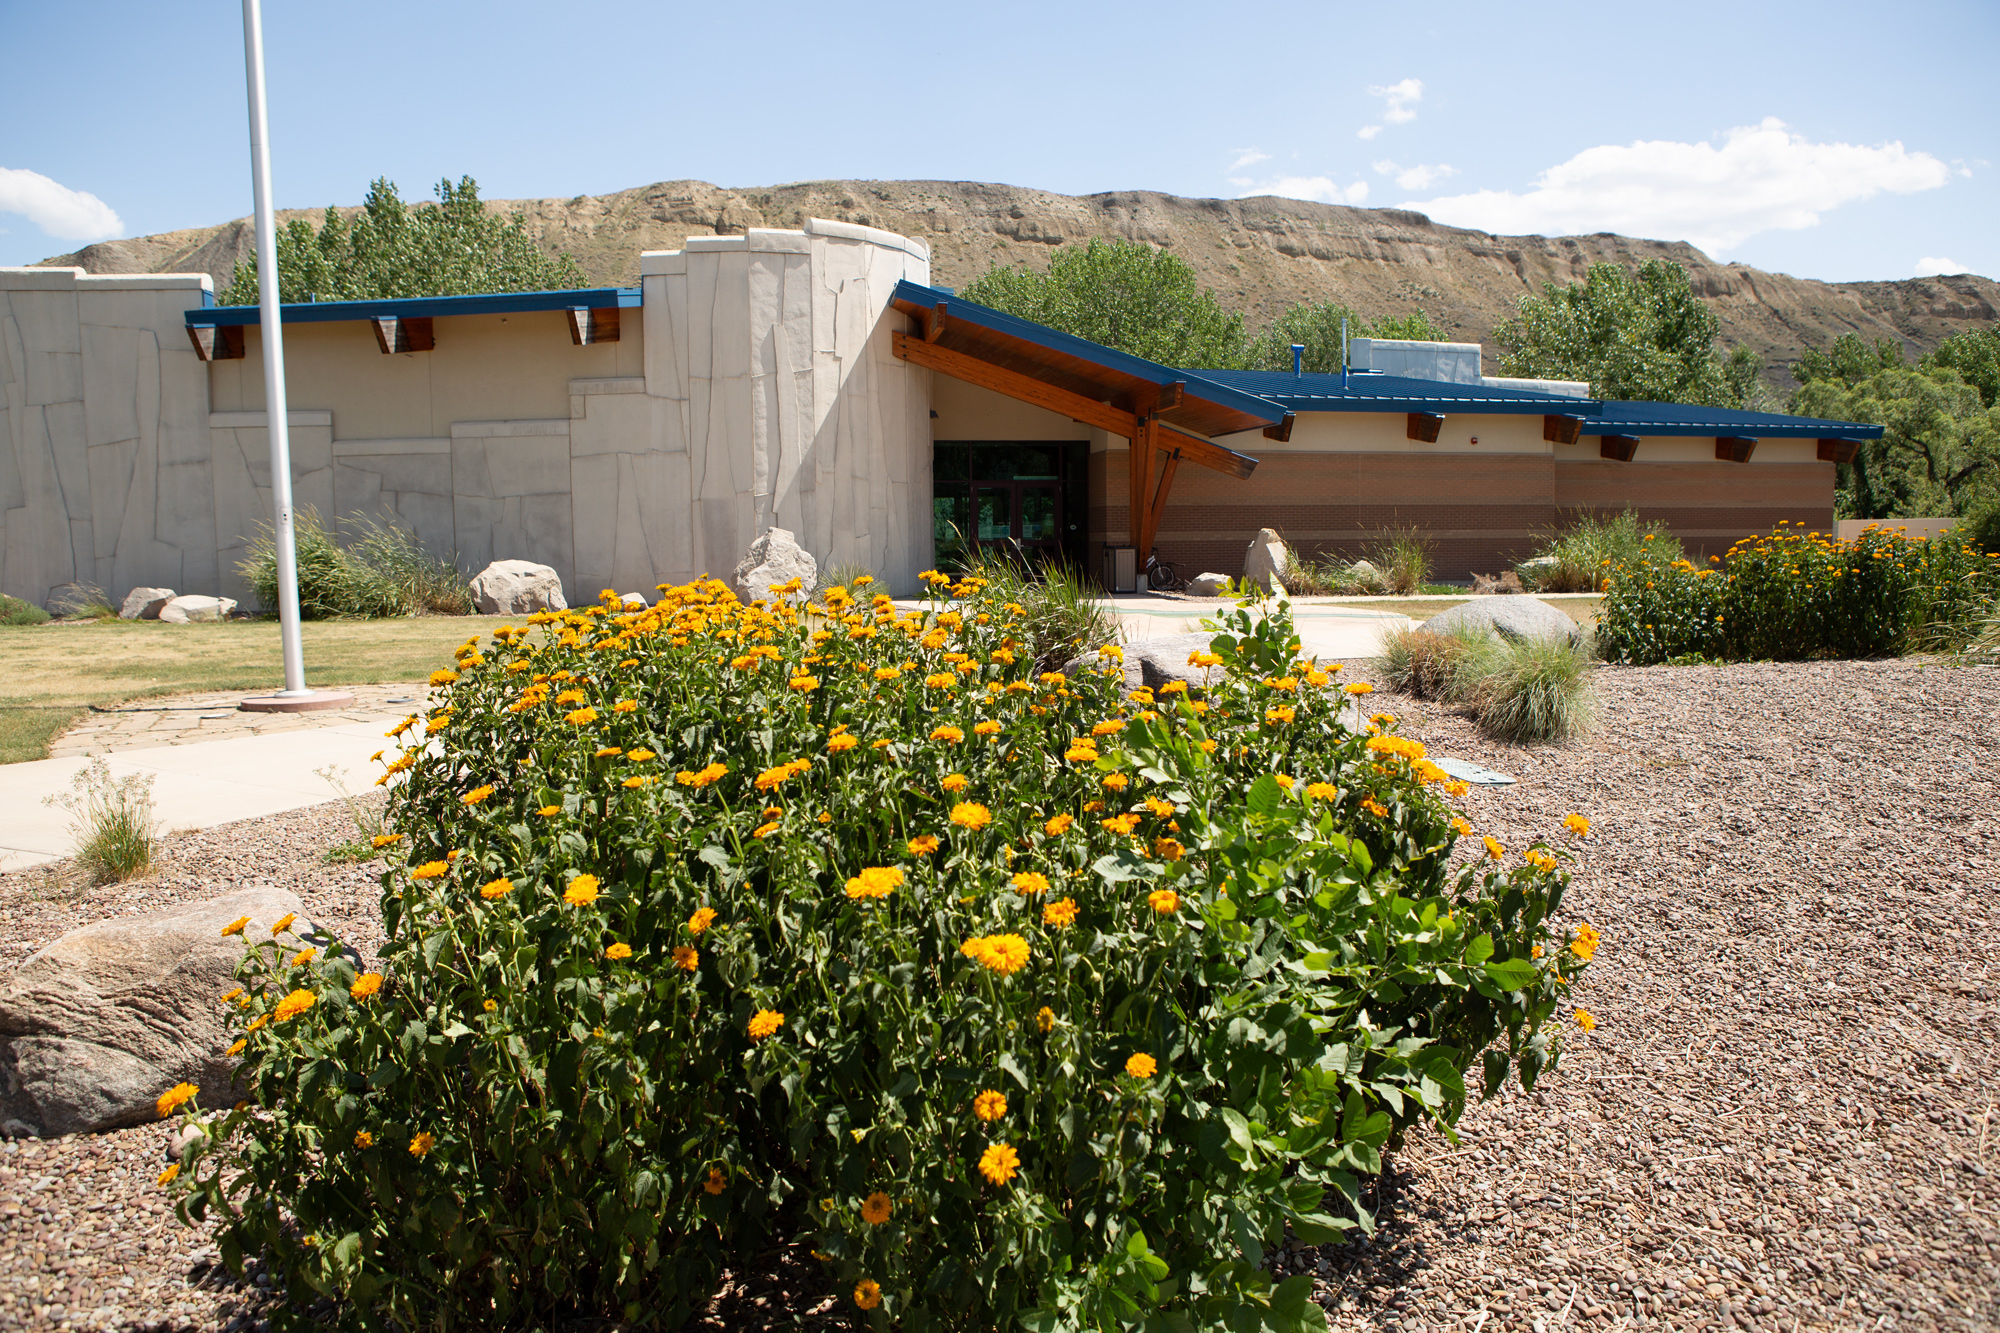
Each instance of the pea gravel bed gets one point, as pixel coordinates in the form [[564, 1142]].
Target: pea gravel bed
[[1786, 1119]]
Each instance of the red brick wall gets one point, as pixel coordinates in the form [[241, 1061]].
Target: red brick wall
[[1481, 512]]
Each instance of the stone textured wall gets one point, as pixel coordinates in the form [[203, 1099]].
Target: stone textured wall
[[104, 434], [769, 358]]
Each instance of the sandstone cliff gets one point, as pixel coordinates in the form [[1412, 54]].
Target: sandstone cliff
[[1259, 255]]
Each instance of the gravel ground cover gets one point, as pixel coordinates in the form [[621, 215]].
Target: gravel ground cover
[[1786, 1120]]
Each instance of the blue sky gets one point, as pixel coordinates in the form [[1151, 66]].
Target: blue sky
[[1827, 140]]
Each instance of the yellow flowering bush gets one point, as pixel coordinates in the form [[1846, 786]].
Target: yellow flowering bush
[[1003, 1040]]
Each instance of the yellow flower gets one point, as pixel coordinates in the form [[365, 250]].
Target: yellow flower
[[1045, 1017], [1586, 941], [1203, 658], [999, 1163], [496, 889], [765, 830], [582, 891], [363, 1139], [303, 957], [443, 676], [1279, 716], [764, 1022], [428, 870], [477, 794], [868, 1293], [167, 1176], [1168, 849], [172, 1099], [703, 918], [422, 1144], [625, 706], [257, 1022], [549, 811], [1576, 824], [582, 717], [284, 923], [1285, 780], [365, 985], [923, 846], [1493, 847], [293, 1005], [685, 958], [1058, 826], [989, 1105], [1585, 1020], [1116, 782], [955, 783], [1060, 913], [1359, 687], [1374, 807], [379, 840], [1005, 954], [1028, 882], [234, 994], [1121, 824], [1081, 752], [1164, 901], [1539, 860], [618, 951], [875, 1209], [875, 882], [716, 1181], [707, 776], [1208, 747], [971, 815], [236, 927], [842, 743], [1141, 1065], [940, 680], [803, 684], [1461, 828], [237, 1047], [641, 756], [986, 728], [770, 778]]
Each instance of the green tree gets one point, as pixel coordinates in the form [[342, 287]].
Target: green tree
[[1638, 335], [1317, 329], [455, 247], [1940, 449], [1125, 295]]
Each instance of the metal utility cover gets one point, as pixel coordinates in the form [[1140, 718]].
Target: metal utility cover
[[1467, 771]]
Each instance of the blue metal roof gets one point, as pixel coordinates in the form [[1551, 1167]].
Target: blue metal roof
[[1370, 392], [1200, 383], [418, 307]]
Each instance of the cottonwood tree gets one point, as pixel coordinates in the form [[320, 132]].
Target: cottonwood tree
[[454, 247], [1635, 334]]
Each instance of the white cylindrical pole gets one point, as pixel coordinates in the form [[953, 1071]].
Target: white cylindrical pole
[[274, 357]]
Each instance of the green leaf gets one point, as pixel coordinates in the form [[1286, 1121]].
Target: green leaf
[[1514, 974], [1479, 950]]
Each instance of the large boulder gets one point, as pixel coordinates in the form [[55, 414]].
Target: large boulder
[[517, 588], [1154, 662], [100, 1023], [1208, 585], [1267, 561], [1509, 617], [187, 609], [774, 558], [145, 603]]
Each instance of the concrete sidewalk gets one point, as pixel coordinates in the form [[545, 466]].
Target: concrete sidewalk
[[1331, 633], [195, 786]]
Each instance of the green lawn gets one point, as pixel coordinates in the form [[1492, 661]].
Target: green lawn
[[49, 674]]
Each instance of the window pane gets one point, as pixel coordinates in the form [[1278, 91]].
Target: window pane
[[996, 518], [1038, 514]]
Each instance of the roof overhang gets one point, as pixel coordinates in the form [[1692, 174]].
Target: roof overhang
[[950, 331], [420, 307]]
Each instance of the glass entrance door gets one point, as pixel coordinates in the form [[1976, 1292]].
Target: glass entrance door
[[1025, 501], [1024, 516]]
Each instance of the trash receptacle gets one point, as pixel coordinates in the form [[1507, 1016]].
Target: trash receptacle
[[1121, 569]]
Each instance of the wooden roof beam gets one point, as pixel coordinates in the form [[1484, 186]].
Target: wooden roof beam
[[1012, 383], [1207, 453]]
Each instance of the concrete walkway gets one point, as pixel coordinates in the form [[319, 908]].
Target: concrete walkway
[[197, 785], [1329, 632]]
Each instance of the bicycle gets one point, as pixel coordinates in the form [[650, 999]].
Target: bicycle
[[1161, 575]]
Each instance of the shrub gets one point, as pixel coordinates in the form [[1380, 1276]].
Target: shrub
[[1534, 690], [385, 572], [1798, 594], [1981, 528], [1580, 553], [14, 611], [112, 819], [1023, 1001], [1404, 557], [1428, 665], [1059, 616]]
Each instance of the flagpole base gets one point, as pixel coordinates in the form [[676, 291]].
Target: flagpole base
[[305, 701]]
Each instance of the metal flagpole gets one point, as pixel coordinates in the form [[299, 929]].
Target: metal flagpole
[[295, 695]]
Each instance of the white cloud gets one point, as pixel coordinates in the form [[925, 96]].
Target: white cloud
[[1248, 157], [1319, 189], [1759, 178], [1931, 267], [1418, 177], [1398, 105], [67, 214]]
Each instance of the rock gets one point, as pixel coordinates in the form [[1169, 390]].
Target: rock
[[774, 558], [186, 609], [1511, 617], [1208, 585], [633, 601], [517, 588], [1507, 581], [1267, 560], [1153, 662], [100, 1023], [73, 599], [145, 603]]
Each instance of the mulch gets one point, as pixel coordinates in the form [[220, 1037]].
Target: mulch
[[1786, 1120]]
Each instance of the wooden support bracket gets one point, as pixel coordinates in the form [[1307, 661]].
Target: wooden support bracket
[[1838, 451], [217, 342], [1618, 448], [1014, 384], [1734, 449], [1560, 428], [1424, 426], [397, 334], [592, 324]]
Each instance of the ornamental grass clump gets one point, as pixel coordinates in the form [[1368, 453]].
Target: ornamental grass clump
[[1797, 594], [1021, 1000]]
